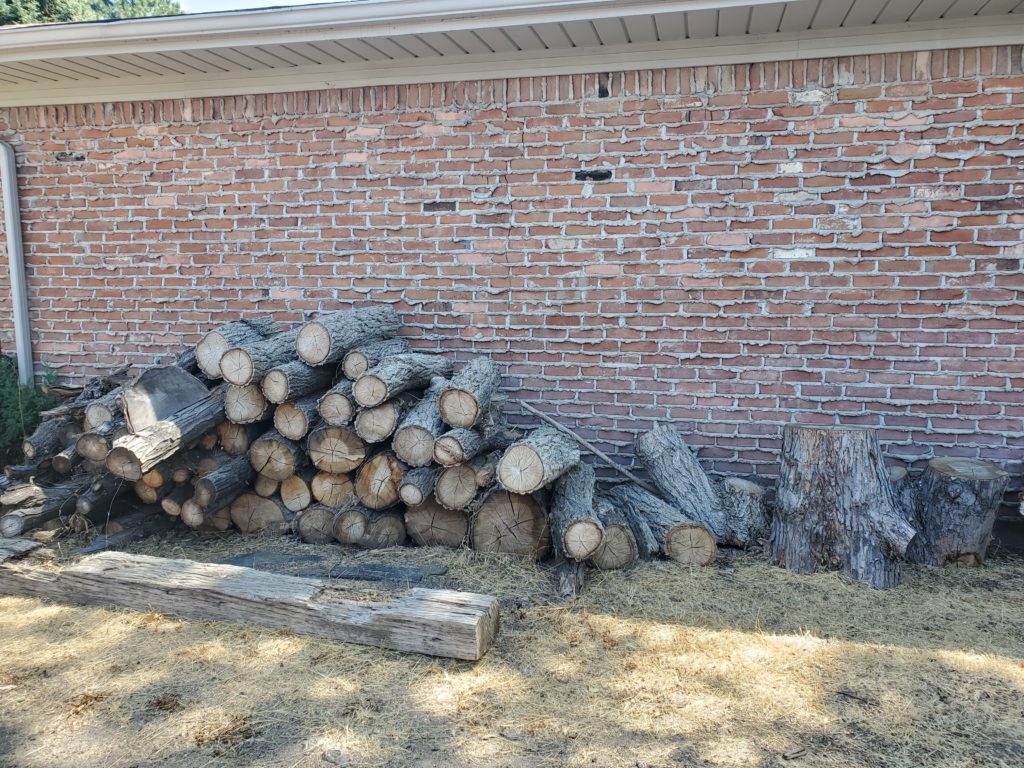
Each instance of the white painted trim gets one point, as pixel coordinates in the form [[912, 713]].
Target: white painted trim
[[749, 49]]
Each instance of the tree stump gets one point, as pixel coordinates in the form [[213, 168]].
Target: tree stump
[[331, 335], [678, 537], [540, 458], [958, 502], [745, 511], [414, 437], [576, 530], [468, 398], [835, 508], [398, 374], [431, 525], [364, 357]]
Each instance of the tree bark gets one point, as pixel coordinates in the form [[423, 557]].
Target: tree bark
[[274, 455], [65, 462], [332, 490], [364, 357], [330, 336], [336, 406], [136, 454], [377, 481], [95, 445], [59, 500], [618, 547], [50, 437], [235, 439], [247, 364], [509, 522], [414, 437], [315, 525], [745, 511], [431, 525], [679, 538], [540, 458], [958, 502], [213, 345], [294, 380], [295, 419], [466, 401], [336, 449], [460, 445], [296, 493], [904, 489], [225, 484], [103, 409], [576, 530], [418, 485], [101, 496], [835, 508], [398, 374], [257, 514], [246, 405]]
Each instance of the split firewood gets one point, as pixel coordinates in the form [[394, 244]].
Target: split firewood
[[248, 363], [332, 490], [618, 547], [265, 486], [258, 514], [377, 424], [214, 344], [274, 455], [96, 444], [157, 394], [336, 449], [414, 437], [507, 522], [315, 524], [431, 525], [296, 491], [958, 502], [679, 537], [467, 399], [172, 502], [378, 480], [359, 360], [133, 455], [576, 530], [327, 338], [246, 405], [295, 419], [230, 480], [336, 406], [398, 374], [236, 439], [294, 380], [103, 409], [835, 509], [543, 456], [417, 485], [50, 437]]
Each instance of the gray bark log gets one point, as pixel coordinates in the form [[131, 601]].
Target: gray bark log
[[398, 374], [540, 458], [364, 357], [293, 380], [246, 405], [336, 406], [336, 449], [225, 484], [378, 480], [431, 525], [679, 538], [214, 344], [327, 338], [576, 531], [618, 545], [50, 437], [274, 455], [103, 409], [96, 444], [509, 522], [414, 438], [247, 364], [296, 419], [466, 401], [418, 485]]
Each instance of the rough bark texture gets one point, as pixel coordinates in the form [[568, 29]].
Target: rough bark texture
[[377, 481], [101, 497], [246, 364], [336, 449], [364, 357], [676, 472], [414, 437], [59, 501], [293, 380], [49, 437], [157, 394], [576, 530], [103, 409], [904, 489], [540, 458], [745, 511], [296, 493], [332, 490], [274, 455], [224, 484], [315, 525], [377, 424], [958, 502], [235, 439], [570, 576], [294, 420], [509, 522], [398, 374], [418, 485], [835, 508], [213, 345], [96, 444], [246, 405], [618, 547], [468, 398], [460, 445], [679, 538], [257, 514], [336, 406], [133, 455], [330, 336], [431, 525], [65, 462]]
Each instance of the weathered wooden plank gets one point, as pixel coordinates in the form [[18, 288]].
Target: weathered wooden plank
[[459, 625]]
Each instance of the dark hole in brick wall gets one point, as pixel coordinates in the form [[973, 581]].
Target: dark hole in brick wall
[[439, 205], [70, 157], [594, 175], [602, 91]]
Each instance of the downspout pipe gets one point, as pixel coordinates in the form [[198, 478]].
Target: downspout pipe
[[16, 257]]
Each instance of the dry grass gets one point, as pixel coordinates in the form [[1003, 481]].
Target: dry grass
[[739, 664]]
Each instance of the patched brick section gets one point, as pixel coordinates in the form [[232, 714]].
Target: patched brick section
[[732, 248]]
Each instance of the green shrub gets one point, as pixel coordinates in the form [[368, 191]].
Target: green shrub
[[19, 410]]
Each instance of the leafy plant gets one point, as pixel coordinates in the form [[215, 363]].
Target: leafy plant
[[19, 410]]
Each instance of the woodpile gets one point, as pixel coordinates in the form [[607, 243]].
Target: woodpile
[[335, 431]]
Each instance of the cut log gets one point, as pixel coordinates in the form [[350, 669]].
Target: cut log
[[103, 409], [96, 444], [246, 364], [417, 485], [225, 484], [148, 494], [330, 336], [332, 490], [336, 449], [219, 520], [436, 622], [192, 514], [208, 441], [265, 486], [618, 547], [576, 530], [745, 511], [958, 499], [336, 407], [414, 438], [159, 393], [457, 486], [679, 538], [511, 523], [246, 405], [377, 481], [213, 345], [26, 471], [359, 360], [134, 455], [296, 493], [60, 501], [65, 462], [171, 503], [398, 374], [235, 439], [377, 424], [32, 494], [100, 499], [540, 458], [431, 525], [350, 523], [459, 445], [835, 509], [467, 399], [139, 524], [274, 455], [384, 528], [178, 468], [258, 514], [294, 380], [50, 437], [315, 525], [296, 419], [676, 472]]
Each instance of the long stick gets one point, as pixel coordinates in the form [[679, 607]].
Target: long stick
[[590, 447]]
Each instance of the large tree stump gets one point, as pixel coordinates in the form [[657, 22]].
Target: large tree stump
[[414, 437], [418, 485], [377, 424], [679, 538], [540, 458], [133, 455], [294, 420], [257, 514], [468, 398], [332, 490], [336, 406], [364, 357], [246, 405], [618, 547], [225, 484], [576, 530], [905, 490], [431, 525], [377, 481], [213, 345], [274, 455], [246, 364], [511, 523], [294, 380], [335, 449], [398, 374], [331, 335], [958, 502], [835, 509]]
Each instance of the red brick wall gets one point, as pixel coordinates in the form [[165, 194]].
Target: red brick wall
[[818, 241]]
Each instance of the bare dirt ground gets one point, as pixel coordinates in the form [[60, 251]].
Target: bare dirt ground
[[738, 664]]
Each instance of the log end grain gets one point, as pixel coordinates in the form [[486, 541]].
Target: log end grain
[[459, 408], [690, 544], [313, 344], [237, 368], [370, 390], [414, 445], [521, 469]]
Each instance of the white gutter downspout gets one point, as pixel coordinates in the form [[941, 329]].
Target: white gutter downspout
[[16, 257]]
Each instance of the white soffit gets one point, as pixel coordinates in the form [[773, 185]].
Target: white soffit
[[371, 42]]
